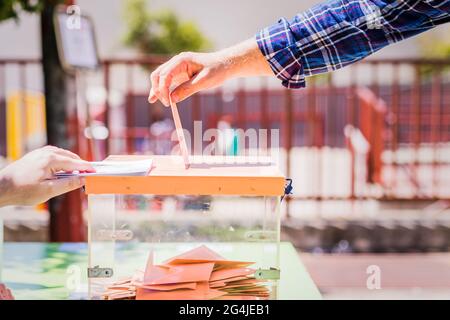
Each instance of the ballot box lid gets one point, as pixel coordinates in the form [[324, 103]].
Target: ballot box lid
[[210, 175]]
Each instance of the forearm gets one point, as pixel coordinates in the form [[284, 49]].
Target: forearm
[[244, 60]]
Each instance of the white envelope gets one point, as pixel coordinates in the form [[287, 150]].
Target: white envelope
[[113, 168]]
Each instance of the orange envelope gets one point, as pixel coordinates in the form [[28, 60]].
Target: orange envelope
[[202, 292], [245, 281], [228, 286], [170, 287], [231, 264], [217, 284], [148, 267], [119, 287], [154, 272], [231, 279], [228, 297], [230, 273], [202, 253], [180, 273]]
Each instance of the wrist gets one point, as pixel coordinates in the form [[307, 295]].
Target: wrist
[[243, 60], [227, 61]]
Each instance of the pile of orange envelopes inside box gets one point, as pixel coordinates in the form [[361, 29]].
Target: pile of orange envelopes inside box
[[199, 274]]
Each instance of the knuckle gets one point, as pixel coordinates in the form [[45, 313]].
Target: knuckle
[[49, 148], [51, 157], [164, 80], [185, 55], [154, 75], [155, 91]]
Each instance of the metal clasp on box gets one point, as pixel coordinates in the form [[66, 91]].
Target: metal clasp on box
[[120, 235], [268, 274], [97, 272]]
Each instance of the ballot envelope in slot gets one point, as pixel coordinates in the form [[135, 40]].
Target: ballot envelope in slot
[[223, 217]]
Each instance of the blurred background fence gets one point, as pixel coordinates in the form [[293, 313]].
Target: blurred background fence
[[381, 131]]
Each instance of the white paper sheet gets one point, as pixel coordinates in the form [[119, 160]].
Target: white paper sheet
[[113, 168]]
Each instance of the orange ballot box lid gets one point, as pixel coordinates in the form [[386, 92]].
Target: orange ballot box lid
[[207, 175]]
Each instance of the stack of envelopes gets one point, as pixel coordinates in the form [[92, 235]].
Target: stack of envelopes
[[199, 274]]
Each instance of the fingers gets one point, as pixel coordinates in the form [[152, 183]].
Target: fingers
[[172, 73], [154, 78], [152, 98], [165, 80], [161, 80], [63, 163], [188, 88]]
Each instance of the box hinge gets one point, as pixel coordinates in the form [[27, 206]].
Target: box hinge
[[268, 274], [119, 235], [97, 272]]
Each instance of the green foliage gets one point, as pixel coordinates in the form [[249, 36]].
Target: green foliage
[[160, 32], [433, 46], [10, 9]]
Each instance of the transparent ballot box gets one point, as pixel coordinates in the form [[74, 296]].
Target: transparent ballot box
[[229, 208]]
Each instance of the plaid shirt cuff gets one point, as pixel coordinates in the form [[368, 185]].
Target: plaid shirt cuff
[[279, 47], [336, 33]]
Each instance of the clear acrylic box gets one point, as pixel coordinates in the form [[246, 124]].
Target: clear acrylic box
[[232, 208]]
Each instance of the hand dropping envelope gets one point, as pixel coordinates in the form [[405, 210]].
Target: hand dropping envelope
[[113, 168]]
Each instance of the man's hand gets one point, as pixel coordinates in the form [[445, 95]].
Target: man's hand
[[30, 180], [189, 72]]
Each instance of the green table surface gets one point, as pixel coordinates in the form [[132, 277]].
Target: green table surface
[[58, 271]]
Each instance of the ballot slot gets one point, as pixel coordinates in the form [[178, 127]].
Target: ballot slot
[[129, 217]]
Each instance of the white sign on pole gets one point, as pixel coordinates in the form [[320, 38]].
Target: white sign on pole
[[75, 34]]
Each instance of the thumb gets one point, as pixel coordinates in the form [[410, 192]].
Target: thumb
[[188, 88]]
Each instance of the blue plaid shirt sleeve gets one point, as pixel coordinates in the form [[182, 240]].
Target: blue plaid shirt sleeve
[[337, 33]]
